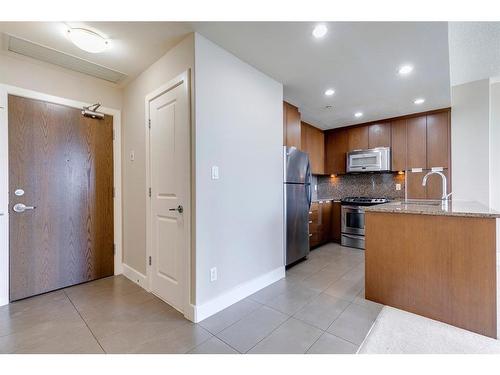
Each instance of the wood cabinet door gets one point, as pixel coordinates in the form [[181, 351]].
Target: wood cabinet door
[[416, 142], [414, 188], [313, 143], [398, 145], [326, 221], [336, 222], [438, 140], [335, 151], [357, 138], [379, 135], [292, 125]]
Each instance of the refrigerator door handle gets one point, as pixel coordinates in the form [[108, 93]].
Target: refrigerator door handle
[[308, 184]]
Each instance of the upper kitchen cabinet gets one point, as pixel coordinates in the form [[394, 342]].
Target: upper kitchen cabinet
[[313, 143], [336, 146], [438, 137], [291, 126], [416, 142], [357, 138], [379, 135], [398, 145]]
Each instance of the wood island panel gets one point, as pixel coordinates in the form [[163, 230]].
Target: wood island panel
[[440, 267]]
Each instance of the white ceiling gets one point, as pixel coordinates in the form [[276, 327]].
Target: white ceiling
[[474, 51], [358, 59], [133, 45]]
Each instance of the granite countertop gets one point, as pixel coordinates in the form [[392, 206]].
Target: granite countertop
[[436, 207], [326, 200]]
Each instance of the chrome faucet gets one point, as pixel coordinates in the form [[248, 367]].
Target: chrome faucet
[[444, 196]]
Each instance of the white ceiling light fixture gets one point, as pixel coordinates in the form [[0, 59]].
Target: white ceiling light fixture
[[319, 31], [87, 40], [358, 114], [329, 92], [405, 70], [419, 101]]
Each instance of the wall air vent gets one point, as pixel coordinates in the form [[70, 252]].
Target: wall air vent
[[64, 60]]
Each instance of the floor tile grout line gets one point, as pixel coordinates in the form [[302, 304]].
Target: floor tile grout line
[[262, 305], [85, 322], [269, 334], [232, 324]]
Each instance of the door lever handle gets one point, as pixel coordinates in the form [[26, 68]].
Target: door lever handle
[[20, 207], [179, 209]]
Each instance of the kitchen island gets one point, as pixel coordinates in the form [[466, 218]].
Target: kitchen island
[[435, 259]]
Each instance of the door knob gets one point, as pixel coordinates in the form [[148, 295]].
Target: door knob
[[20, 207], [179, 209]]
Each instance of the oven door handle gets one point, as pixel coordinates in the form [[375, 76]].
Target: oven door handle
[[353, 236]]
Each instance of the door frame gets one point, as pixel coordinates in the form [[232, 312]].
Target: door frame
[[188, 308], [5, 91]]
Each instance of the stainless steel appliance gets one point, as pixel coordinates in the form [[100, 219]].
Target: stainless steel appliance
[[371, 160], [298, 194], [353, 220]]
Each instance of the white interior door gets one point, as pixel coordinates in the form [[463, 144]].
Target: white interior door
[[169, 147]]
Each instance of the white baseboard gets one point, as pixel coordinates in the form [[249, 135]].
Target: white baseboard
[[135, 276], [234, 295]]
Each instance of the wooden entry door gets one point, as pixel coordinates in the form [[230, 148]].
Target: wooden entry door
[[61, 164], [169, 146]]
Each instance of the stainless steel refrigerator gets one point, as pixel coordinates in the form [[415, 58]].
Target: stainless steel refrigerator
[[298, 193]]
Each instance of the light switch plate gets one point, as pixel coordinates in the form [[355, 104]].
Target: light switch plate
[[213, 274], [132, 155], [215, 172], [398, 186]]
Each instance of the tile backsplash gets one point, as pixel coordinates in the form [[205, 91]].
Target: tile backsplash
[[359, 185]]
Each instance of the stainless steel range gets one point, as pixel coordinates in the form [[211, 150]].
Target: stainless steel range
[[353, 219]]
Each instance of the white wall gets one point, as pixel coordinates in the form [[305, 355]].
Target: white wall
[[470, 137], [239, 218], [495, 144], [50, 79], [174, 62]]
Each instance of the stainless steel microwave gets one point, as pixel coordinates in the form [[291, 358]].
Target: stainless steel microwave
[[370, 160]]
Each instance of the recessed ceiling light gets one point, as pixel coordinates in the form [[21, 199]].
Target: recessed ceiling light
[[358, 114], [419, 101], [87, 40], [320, 31], [405, 69], [329, 92]]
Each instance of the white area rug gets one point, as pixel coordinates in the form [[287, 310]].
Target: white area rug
[[399, 332]]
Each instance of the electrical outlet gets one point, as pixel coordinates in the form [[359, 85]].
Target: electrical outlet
[[398, 186], [213, 274]]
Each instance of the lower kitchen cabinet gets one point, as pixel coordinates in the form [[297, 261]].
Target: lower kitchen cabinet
[[324, 223]]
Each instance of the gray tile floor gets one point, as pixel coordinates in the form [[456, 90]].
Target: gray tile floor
[[318, 308]]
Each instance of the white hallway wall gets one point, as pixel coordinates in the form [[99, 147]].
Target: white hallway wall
[[179, 59], [239, 218]]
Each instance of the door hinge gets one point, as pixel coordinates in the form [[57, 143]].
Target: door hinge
[[113, 134], [114, 192], [149, 192], [114, 249], [149, 123], [149, 260]]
